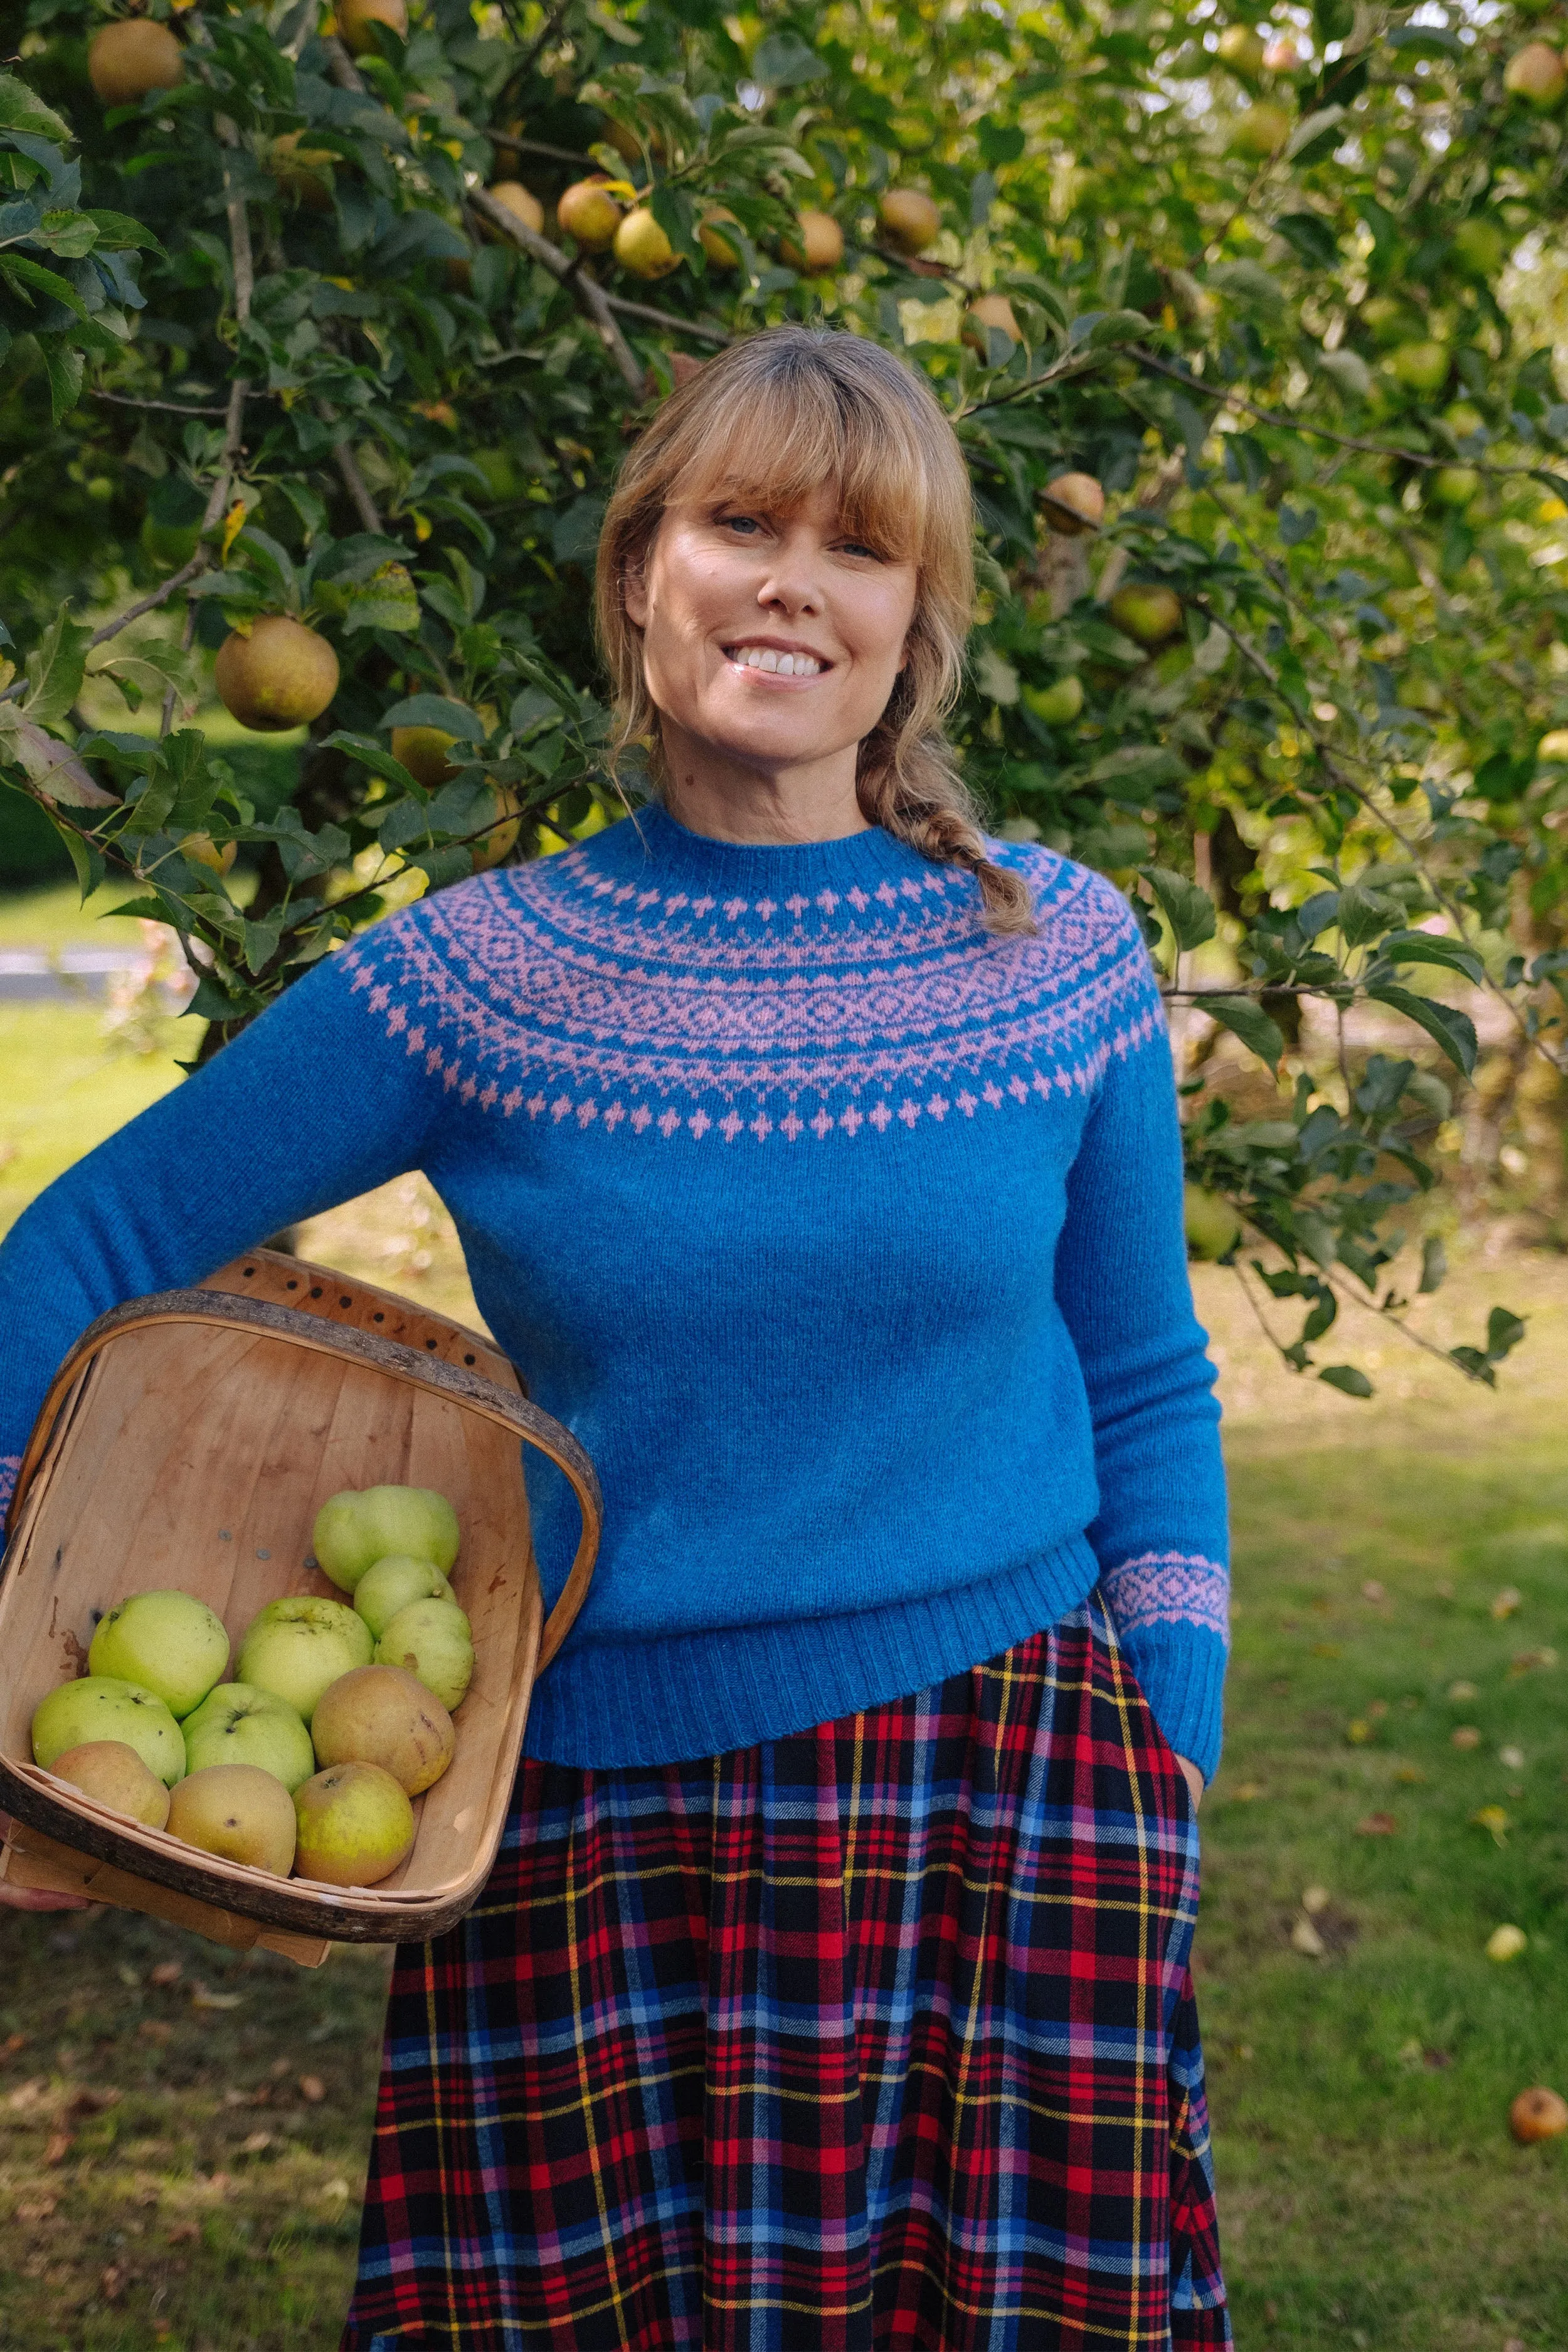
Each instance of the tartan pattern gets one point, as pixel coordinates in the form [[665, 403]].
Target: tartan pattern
[[878, 2035]]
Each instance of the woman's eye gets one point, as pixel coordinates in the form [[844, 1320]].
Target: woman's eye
[[854, 547], [744, 524]]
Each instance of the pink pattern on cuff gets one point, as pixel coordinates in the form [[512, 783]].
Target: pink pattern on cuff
[[1169, 1588]]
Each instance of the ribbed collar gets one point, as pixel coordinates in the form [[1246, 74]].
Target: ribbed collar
[[695, 861]]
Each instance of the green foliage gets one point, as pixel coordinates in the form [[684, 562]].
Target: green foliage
[[290, 359]]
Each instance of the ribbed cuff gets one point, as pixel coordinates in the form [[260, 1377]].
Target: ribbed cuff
[[614, 1705], [1181, 1672]]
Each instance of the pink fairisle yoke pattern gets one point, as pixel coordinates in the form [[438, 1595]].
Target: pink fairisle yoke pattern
[[567, 994], [1168, 1587]]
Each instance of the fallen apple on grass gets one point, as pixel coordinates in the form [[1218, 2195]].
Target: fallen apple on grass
[[169, 1643], [1538, 2114], [236, 1810], [296, 1647], [356, 1529], [386, 1716], [105, 1706], [237, 1723], [355, 1825], [113, 1773]]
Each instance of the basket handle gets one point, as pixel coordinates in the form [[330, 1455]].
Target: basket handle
[[516, 1414]]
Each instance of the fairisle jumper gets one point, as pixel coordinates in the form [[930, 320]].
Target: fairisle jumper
[[845, 1235]]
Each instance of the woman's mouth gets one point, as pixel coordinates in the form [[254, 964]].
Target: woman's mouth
[[774, 661]]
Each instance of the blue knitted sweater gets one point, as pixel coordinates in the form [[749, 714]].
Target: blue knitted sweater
[[845, 1235]]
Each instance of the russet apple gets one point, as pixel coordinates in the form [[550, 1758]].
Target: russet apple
[[114, 1775], [239, 1812], [356, 18], [390, 1584], [433, 1639], [104, 1706], [817, 244], [237, 1723], [170, 1642], [297, 1646], [386, 1716], [1074, 503], [131, 58], [275, 674], [355, 1825], [909, 219], [356, 1529], [1538, 2114]]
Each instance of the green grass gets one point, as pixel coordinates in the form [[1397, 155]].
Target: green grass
[[1370, 2194]]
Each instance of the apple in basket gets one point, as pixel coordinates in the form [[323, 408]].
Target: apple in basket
[[433, 1639], [298, 1646], [390, 1584], [237, 1723], [168, 1643], [236, 1810], [382, 1715], [114, 1775], [357, 1527], [356, 1826], [103, 1706]]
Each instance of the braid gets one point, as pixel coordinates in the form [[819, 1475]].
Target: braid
[[908, 783]]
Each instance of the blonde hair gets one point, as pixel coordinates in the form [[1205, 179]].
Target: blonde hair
[[774, 419]]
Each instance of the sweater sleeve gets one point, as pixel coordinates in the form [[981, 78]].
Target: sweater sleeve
[[310, 1105], [1160, 1535]]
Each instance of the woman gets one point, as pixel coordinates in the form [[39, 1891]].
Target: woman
[[817, 1161]]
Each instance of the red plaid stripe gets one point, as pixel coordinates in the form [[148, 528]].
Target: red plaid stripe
[[879, 2038]]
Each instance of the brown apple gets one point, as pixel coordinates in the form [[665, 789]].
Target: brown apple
[[356, 18], [131, 58], [909, 220], [385, 1714], [1537, 2113], [1074, 503], [236, 1810], [816, 244], [277, 675], [111, 1772]]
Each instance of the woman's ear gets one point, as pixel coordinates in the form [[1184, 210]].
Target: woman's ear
[[634, 596]]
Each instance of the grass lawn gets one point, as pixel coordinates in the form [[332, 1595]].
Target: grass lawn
[[168, 2175]]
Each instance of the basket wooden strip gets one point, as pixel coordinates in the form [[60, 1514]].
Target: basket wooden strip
[[189, 1441]]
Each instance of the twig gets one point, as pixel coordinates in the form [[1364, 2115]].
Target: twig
[[538, 147], [588, 294], [341, 67], [658, 318], [1228, 397], [171, 587], [177, 408], [553, 24], [1073, 363]]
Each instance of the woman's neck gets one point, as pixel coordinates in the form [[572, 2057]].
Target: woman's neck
[[709, 793]]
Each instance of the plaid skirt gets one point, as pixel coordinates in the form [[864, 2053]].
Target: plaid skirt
[[880, 2036]]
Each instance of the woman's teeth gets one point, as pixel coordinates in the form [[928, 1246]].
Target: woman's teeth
[[786, 665]]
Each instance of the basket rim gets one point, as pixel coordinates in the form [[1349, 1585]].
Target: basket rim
[[345, 1915]]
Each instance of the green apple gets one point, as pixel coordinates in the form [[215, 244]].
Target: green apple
[[1213, 1226], [115, 1776], [1057, 704], [169, 1643], [1455, 485], [1147, 615], [433, 1639], [237, 1724], [1261, 133], [1420, 366], [384, 1715], [355, 1529], [355, 1825], [106, 1706], [237, 1811], [297, 1646], [391, 1583], [1480, 247], [1240, 49]]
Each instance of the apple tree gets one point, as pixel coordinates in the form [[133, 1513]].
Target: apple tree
[[323, 335]]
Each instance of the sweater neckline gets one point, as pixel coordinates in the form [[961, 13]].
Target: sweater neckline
[[867, 858]]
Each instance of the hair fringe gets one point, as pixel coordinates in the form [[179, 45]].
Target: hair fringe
[[855, 405]]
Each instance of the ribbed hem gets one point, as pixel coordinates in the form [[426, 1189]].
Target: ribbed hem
[[614, 1705], [1181, 1673]]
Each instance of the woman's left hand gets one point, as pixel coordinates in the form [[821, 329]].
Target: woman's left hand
[[1194, 1781]]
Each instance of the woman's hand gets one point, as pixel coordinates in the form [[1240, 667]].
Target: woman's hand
[[1194, 1781], [35, 1898]]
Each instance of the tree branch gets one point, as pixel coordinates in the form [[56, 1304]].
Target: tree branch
[[1228, 397], [177, 407], [657, 318], [590, 296]]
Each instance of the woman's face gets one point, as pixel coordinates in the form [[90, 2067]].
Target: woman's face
[[772, 640]]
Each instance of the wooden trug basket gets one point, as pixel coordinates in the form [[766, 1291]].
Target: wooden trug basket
[[188, 1441]]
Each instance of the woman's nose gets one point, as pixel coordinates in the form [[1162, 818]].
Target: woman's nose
[[792, 583]]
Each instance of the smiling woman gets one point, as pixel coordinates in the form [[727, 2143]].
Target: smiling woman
[[802, 496], [815, 1160]]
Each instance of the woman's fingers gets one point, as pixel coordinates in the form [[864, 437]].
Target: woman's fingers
[[39, 1898]]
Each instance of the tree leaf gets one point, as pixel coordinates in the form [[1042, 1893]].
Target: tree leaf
[[1189, 910], [55, 669], [1454, 1030], [1246, 1019], [1347, 1380]]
